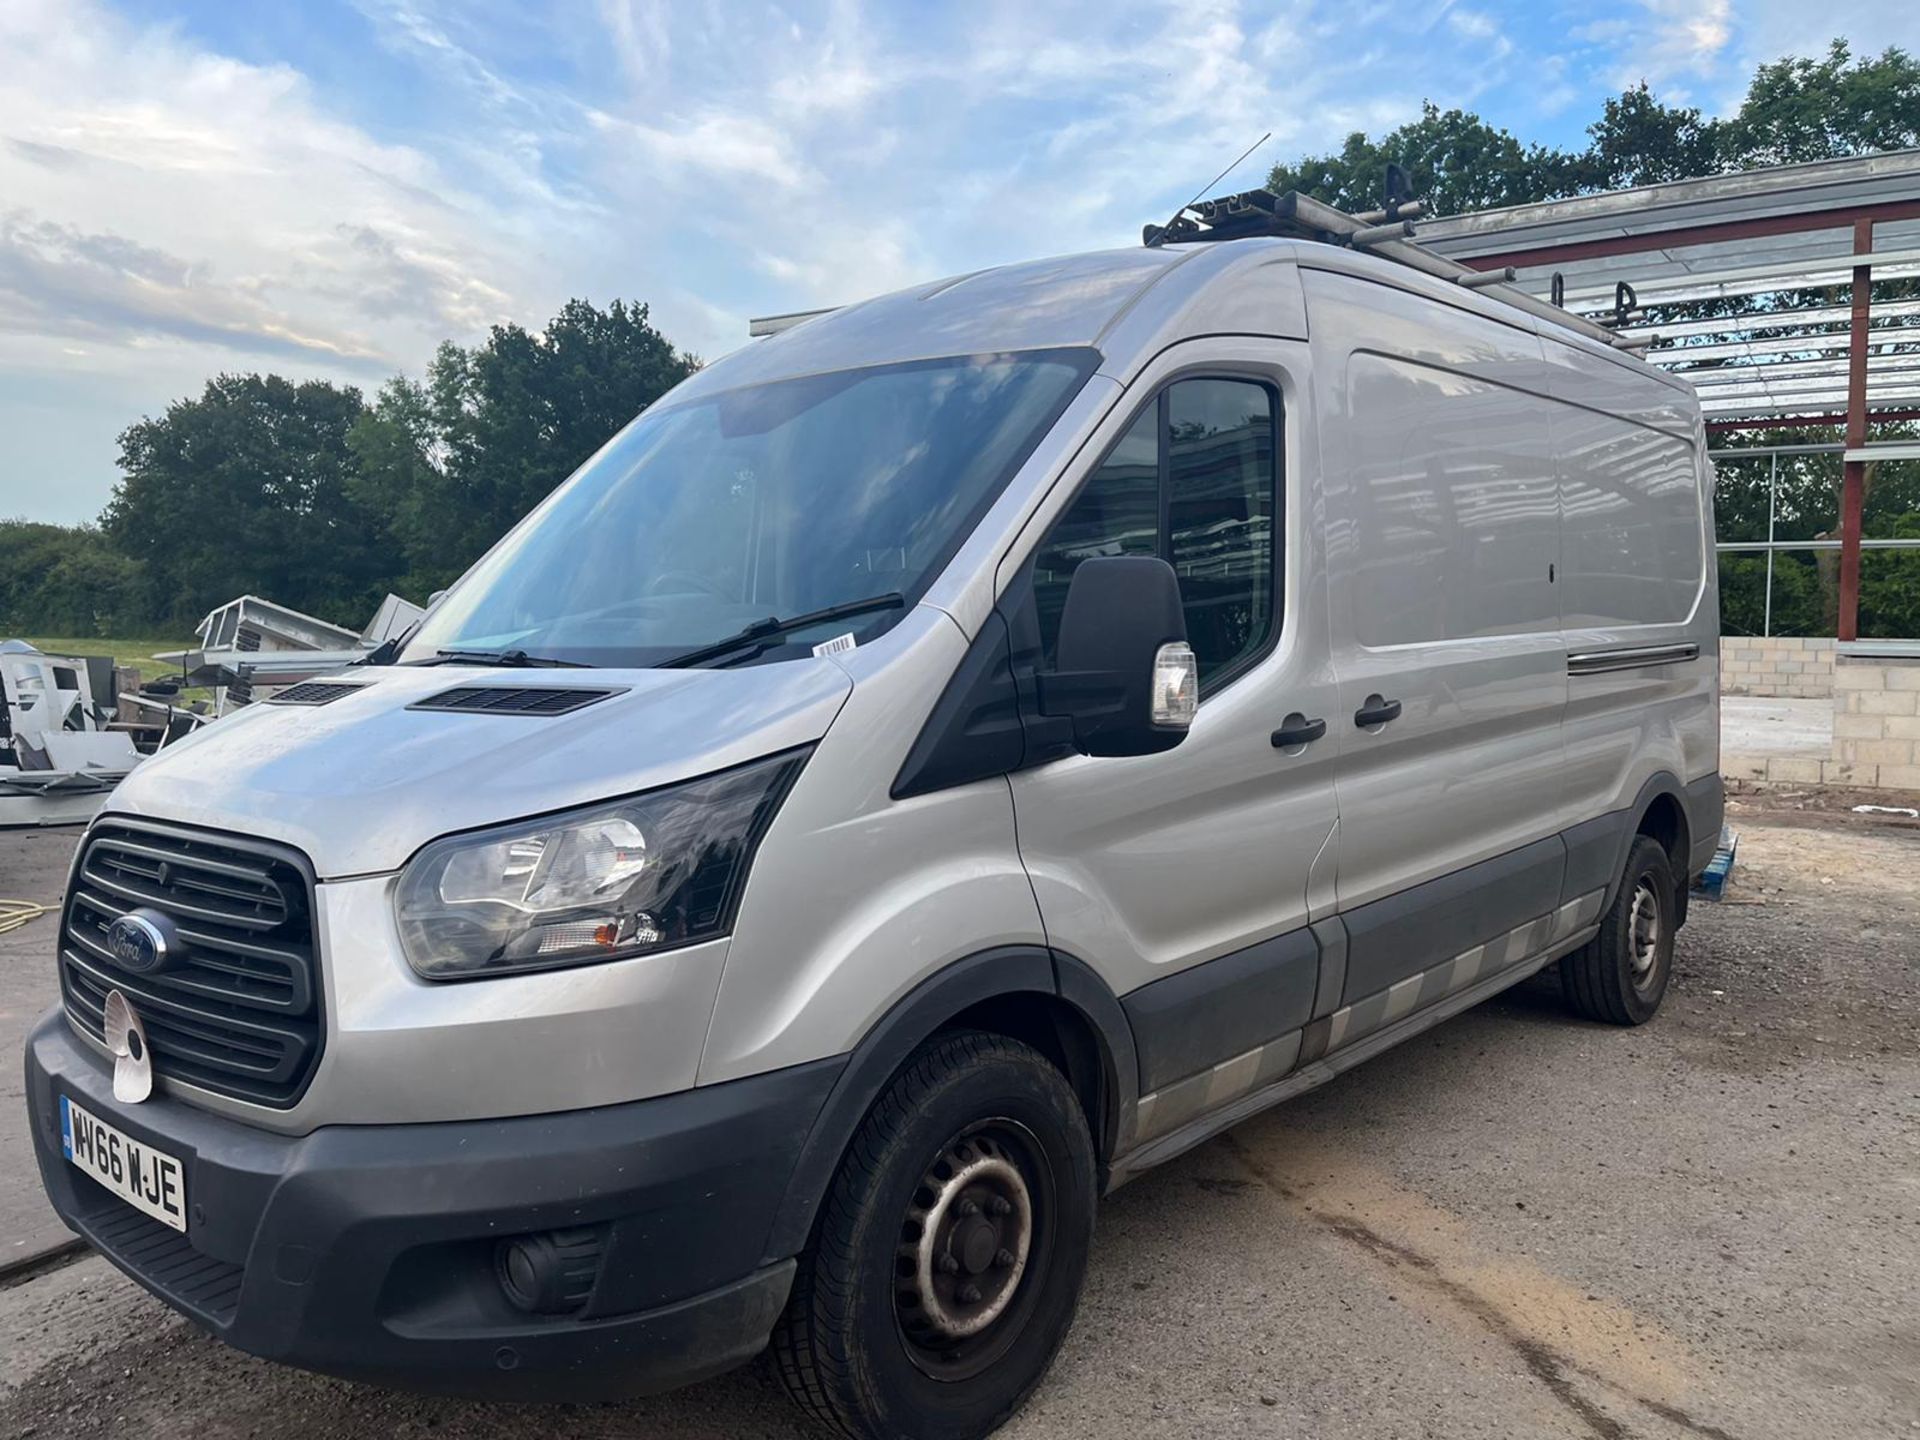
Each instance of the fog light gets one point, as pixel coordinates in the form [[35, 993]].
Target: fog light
[[551, 1273]]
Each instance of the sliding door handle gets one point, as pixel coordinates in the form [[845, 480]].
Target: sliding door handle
[[1296, 729], [1376, 712]]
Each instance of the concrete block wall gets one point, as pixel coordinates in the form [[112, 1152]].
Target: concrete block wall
[[1781, 665], [1876, 723]]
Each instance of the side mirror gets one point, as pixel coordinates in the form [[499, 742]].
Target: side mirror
[[1124, 674]]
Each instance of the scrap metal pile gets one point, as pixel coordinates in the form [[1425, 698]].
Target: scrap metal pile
[[69, 732]]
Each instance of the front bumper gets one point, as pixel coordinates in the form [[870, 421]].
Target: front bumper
[[367, 1251]]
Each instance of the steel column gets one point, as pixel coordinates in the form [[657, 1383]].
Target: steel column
[[1773, 499], [1853, 474]]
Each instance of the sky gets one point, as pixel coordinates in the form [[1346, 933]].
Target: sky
[[330, 188]]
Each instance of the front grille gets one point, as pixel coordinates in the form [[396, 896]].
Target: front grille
[[238, 1012]]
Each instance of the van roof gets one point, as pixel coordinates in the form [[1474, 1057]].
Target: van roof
[[1062, 301], [1068, 301]]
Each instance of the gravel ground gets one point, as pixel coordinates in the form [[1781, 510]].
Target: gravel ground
[[33, 866], [1515, 1225]]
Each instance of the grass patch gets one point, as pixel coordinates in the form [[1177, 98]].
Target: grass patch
[[136, 652]]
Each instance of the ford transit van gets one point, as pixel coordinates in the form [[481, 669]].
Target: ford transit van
[[934, 765]]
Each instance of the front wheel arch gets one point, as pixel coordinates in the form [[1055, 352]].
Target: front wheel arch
[[1021, 991]]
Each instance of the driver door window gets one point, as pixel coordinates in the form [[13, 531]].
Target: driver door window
[[1196, 481]]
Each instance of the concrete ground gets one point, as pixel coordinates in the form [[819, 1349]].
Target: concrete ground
[[1764, 726], [33, 866], [1515, 1225]]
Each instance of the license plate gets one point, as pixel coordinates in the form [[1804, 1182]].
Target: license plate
[[139, 1174]]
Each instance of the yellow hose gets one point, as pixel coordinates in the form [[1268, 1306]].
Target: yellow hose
[[15, 913]]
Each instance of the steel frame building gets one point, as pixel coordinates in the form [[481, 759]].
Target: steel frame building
[[1781, 235]]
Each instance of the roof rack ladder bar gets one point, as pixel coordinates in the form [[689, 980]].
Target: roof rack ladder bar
[[1385, 233]]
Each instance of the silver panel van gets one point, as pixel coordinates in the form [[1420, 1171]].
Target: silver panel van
[[934, 765]]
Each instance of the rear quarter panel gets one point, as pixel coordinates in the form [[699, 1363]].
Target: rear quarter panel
[[1636, 491]]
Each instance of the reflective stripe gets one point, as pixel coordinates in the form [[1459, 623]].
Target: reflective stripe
[[1173, 1105]]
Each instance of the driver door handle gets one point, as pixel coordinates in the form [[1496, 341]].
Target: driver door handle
[[1377, 711], [1298, 730]]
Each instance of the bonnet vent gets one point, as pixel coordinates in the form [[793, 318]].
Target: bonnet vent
[[513, 699], [313, 692]]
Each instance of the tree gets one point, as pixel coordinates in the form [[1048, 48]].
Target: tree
[[1799, 109], [1639, 141], [1455, 160], [66, 580], [398, 477], [245, 490], [1796, 109], [451, 465]]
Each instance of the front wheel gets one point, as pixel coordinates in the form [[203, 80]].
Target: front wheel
[[1620, 976], [950, 1250]]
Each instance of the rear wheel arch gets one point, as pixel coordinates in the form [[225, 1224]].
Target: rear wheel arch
[[1664, 818]]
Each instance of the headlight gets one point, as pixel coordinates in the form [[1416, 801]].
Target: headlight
[[625, 878]]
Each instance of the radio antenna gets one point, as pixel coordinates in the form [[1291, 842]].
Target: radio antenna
[[1238, 160]]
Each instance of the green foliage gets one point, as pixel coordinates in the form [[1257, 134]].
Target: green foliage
[[307, 495], [452, 464], [245, 491], [66, 579], [1455, 159], [1806, 583], [1798, 109], [1639, 141], [1795, 109]]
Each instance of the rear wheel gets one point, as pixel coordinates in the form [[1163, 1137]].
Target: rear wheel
[[1620, 976], [950, 1249]]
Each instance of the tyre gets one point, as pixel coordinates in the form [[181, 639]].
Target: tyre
[[947, 1260], [1620, 976]]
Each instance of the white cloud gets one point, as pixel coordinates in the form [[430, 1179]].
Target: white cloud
[[638, 30], [717, 145], [1679, 40], [1474, 23], [168, 210]]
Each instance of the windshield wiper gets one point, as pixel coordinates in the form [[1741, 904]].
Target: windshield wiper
[[771, 627], [506, 659], [388, 650]]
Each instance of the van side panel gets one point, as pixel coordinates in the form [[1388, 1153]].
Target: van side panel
[[1443, 541], [1637, 541]]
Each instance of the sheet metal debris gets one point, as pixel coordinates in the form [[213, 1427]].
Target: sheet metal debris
[[68, 728], [57, 758]]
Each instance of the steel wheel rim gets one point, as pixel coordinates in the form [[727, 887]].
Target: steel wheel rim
[[972, 1247], [1644, 934]]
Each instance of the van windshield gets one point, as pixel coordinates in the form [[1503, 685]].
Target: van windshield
[[770, 501]]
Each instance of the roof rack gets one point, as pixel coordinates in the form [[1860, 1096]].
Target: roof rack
[[1386, 232]]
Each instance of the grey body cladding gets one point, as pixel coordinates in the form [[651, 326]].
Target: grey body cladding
[[1282, 1015], [1189, 1022], [1402, 935]]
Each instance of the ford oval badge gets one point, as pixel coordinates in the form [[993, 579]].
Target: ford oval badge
[[141, 941]]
